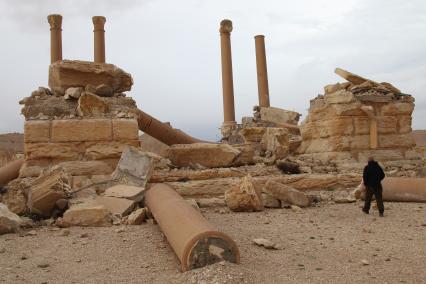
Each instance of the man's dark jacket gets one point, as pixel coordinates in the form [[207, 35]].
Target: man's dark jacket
[[373, 174]]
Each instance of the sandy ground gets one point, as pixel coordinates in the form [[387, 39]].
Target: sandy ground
[[325, 244]]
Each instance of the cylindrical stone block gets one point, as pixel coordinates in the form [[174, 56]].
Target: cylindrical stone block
[[10, 171], [99, 38], [55, 22], [163, 131], [227, 79], [262, 72], [195, 241]]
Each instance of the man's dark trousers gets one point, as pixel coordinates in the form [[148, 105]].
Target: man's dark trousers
[[377, 191]]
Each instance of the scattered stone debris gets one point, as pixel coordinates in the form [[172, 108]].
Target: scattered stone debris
[[9, 221], [244, 196], [265, 243], [286, 194]]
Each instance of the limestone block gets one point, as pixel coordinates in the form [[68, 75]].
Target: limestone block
[[210, 202], [276, 141], [72, 73], [375, 98], [73, 93], [9, 221], [335, 87], [317, 103], [309, 130], [339, 97], [360, 142], [37, 131], [90, 105], [404, 124], [150, 144], [33, 168], [121, 206], [396, 141], [107, 150], [381, 155], [104, 90], [279, 116], [286, 194], [351, 77], [386, 124], [204, 154], [246, 156], [137, 217], [415, 154], [361, 125], [331, 144], [335, 127], [397, 108], [134, 193], [86, 168], [333, 110], [270, 202], [134, 168], [252, 134], [64, 151], [46, 190], [244, 197], [125, 129], [81, 130], [86, 214]]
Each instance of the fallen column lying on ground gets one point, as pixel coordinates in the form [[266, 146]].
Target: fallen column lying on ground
[[10, 171], [195, 241], [163, 131], [399, 189]]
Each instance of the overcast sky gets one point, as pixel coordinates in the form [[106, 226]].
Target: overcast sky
[[172, 50]]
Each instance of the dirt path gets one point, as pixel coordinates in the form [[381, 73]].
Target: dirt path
[[318, 245]]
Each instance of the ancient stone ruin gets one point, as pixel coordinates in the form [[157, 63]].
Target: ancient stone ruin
[[84, 165]]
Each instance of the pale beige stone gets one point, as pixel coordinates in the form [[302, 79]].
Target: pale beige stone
[[386, 124], [246, 156], [121, 206], [276, 141], [72, 73], [9, 221], [150, 144], [125, 129], [360, 142], [91, 105], [81, 130], [46, 190], [270, 202], [361, 125], [335, 127], [33, 168], [64, 151], [134, 193], [15, 197], [339, 97], [331, 144], [86, 168], [286, 194], [107, 150], [37, 131], [204, 154], [86, 214], [309, 130], [397, 108], [396, 141], [279, 116], [381, 155], [252, 134], [137, 217], [404, 124], [244, 197]]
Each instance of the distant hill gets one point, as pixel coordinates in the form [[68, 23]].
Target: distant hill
[[420, 137]]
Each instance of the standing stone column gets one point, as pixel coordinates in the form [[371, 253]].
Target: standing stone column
[[55, 22], [227, 80], [99, 38], [262, 72], [373, 133]]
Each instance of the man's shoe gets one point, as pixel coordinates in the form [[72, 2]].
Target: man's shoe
[[381, 214], [365, 211]]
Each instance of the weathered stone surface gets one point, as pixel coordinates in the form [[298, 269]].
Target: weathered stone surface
[[33, 168], [276, 141], [335, 127], [386, 124], [331, 144], [270, 202], [15, 198], [244, 197], [210, 202], [107, 150], [134, 193], [252, 134], [86, 168], [46, 190], [204, 154], [351, 77], [86, 214], [381, 155], [104, 90], [125, 129], [134, 168], [404, 124], [279, 116], [286, 194], [396, 141], [362, 125], [90, 105], [335, 87], [246, 156], [60, 151], [137, 217], [81, 130], [339, 97], [9, 221], [73, 93], [72, 73], [397, 108], [37, 131], [150, 144], [116, 205]]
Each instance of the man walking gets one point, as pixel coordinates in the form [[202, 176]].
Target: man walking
[[372, 176]]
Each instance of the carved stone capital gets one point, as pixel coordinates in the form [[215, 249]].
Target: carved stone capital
[[98, 22], [225, 26], [55, 21]]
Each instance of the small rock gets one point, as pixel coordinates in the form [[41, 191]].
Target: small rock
[[296, 208], [65, 232], [84, 235], [104, 90], [73, 93], [265, 243], [43, 264], [120, 230], [24, 256], [31, 233], [365, 262]]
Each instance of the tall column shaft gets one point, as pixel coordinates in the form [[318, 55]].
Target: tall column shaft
[[262, 72], [55, 22], [227, 79], [99, 38]]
